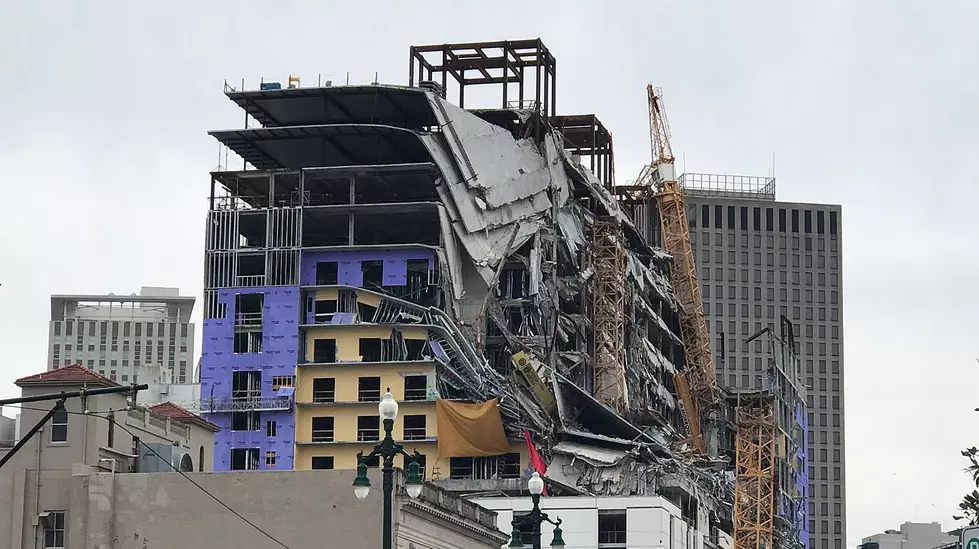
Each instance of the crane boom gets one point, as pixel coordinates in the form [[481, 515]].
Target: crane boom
[[697, 384]]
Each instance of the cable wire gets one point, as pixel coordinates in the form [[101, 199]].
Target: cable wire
[[177, 470]]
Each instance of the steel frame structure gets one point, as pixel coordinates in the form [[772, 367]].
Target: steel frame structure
[[585, 135], [754, 487], [608, 314], [502, 62]]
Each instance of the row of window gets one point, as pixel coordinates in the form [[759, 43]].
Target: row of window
[[369, 428], [798, 295], [102, 328], [788, 219]]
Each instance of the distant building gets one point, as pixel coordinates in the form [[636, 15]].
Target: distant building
[[37, 485], [124, 337], [8, 431], [912, 535]]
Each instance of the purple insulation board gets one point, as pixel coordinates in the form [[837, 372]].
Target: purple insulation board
[[279, 356], [350, 271]]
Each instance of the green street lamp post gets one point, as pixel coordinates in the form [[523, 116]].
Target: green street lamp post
[[535, 518], [387, 449]]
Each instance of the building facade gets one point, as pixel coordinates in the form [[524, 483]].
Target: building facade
[[912, 535], [36, 485], [125, 338], [760, 260], [293, 507], [635, 522]]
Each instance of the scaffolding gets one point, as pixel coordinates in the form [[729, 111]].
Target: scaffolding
[[754, 487], [608, 313]]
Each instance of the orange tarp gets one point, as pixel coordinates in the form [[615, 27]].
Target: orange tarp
[[470, 430]]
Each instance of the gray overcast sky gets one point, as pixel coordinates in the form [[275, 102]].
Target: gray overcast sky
[[868, 104]]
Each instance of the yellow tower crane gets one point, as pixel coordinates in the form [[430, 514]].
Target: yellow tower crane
[[697, 383], [754, 504]]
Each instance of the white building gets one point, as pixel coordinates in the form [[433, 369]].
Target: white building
[[634, 522], [912, 535], [124, 337]]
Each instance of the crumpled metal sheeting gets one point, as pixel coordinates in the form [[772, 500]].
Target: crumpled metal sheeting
[[642, 305], [571, 225]]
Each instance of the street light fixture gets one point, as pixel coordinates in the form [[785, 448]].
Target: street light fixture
[[387, 449], [535, 518]]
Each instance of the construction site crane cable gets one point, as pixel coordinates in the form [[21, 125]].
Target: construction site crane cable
[[697, 383]]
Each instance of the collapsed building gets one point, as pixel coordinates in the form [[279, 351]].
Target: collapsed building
[[482, 251]]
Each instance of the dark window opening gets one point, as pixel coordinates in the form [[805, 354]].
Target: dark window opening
[[808, 220], [246, 421], [271, 428], [369, 389], [370, 349], [611, 530], [373, 274], [324, 351], [769, 219], [324, 389], [820, 222], [372, 461], [244, 459], [832, 223], [730, 218], [705, 216], [59, 426], [322, 429], [247, 342], [718, 216], [795, 221], [416, 388], [422, 462], [322, 462], [756, 218], [248, 310], [513, 283], [366, 312], [744, 218], [246, 385], [323, 311], [414, 427], [326, 273], [368, 428], [485, 468], [781, 219], [415, 348]]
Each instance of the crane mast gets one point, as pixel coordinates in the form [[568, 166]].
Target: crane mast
[[697, 383]]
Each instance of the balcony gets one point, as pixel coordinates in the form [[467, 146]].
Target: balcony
[[368, 435], [247, 404], [249, 320]]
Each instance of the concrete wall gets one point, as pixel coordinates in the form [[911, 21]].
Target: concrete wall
[[301, 509]]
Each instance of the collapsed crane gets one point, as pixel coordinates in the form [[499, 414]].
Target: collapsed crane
[[696, 385]]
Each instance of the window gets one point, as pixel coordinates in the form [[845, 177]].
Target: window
[[270, 458], [246, 421], [324, 389], [271, 428], [54, 529], [416, 387], [368, 428], [705, 216], [369, 389], [414, 427], [283, 381], [421, 464], [484, 468], [611, 529], [244, 459], [57, 327], [324, 351], [322, 462], [832, 223], [323, 429], [59, 426]]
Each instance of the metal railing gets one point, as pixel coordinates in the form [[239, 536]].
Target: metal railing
[[247, 404], [323, 396], [733, 186], [416, 394], [251, 281], [369, 395], [322, 435], [248, 319], [415, 433], [368, 435]]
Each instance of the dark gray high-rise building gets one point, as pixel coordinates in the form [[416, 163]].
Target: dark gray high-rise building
[[759, 260]]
